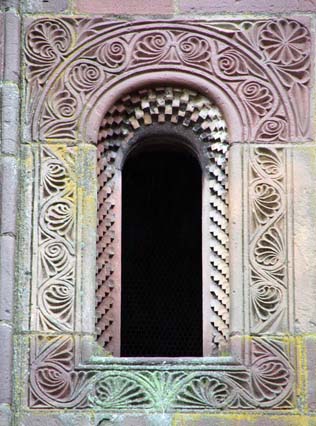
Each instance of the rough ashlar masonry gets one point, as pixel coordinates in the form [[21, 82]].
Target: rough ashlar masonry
[[68, 69]]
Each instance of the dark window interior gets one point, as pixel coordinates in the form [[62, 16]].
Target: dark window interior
[[161, 311]]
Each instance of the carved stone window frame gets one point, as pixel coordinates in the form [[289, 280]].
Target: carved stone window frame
[[198, 126], [73, 77]]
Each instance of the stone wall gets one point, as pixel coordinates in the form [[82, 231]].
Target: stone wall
[[10, 140], [255, 61]]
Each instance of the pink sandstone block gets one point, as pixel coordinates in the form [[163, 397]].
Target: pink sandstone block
[[1, 45], [310, 344], [235, 6], [125, 7]]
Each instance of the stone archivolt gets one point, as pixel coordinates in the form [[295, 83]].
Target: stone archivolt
[[260, 65], [71, 63]]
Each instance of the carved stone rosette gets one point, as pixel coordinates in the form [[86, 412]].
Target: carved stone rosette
[[77, 70]]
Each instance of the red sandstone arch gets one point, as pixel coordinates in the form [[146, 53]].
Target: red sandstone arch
[[86, 65]]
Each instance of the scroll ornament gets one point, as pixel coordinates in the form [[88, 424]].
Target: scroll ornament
[[265, 64]]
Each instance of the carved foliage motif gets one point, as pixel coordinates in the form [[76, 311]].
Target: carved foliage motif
[[268, 286], [191, 110], [265, 380], [264, 64], [265, 383], [56, 240], [54, 381]]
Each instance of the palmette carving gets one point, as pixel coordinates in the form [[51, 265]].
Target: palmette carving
[[272, 81], [231, 63], [265, 66], [266, 300], [151, 48], [56, 240], [54, 381], [268, 257], [257, 97], [273, 129], [194, 49], [207, 391], [247, 387], [112, 54], [266, 201], [266, 382], [85, 77], [46, 44]]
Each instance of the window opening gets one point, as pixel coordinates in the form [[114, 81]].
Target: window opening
[[161, 309], [199, 121]]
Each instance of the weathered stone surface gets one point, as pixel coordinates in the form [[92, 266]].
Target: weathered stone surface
[[8, 191], [271, 86], [1, 45], [65, 419], [12, 47], [130, 7], [242, 420], [10, 107], [134, 420], [12, 4], [36, 6], [5, 363], [235, 6], [24, 221], [7, 255], [304, 219], [5, 415], [310, 348], [33, 420]]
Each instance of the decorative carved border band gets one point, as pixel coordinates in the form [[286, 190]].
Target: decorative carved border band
[[263, 378], [260, 65], [56, 233], [268, 249], [262, 69], [265, 381]]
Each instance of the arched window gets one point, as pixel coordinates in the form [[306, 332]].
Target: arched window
[[162, 249], [161, 309]]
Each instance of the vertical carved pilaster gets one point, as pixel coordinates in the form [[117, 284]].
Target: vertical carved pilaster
[[55, 246], [267, 241]]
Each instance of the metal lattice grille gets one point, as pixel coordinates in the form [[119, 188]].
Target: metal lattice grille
[[161, 312]]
